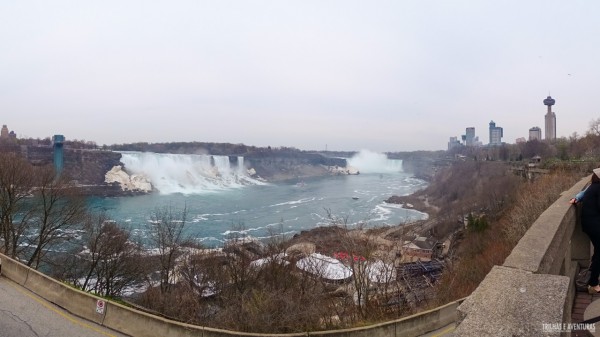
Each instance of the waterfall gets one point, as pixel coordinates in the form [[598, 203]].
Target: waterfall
[[187, 173], [372, 162], [240, 165]]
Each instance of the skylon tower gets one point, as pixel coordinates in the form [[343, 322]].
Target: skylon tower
[[550, 119]]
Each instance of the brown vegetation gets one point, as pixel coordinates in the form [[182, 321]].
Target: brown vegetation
[[481, 250]]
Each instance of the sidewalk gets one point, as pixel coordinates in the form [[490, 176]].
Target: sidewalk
[[582, 301]]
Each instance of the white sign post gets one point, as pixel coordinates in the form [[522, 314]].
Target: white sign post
[[100, 306]]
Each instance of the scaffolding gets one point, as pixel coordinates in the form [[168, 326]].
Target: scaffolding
[[418, 279]]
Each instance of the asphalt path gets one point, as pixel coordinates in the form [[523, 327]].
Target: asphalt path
[[24, 314], [446, 331]]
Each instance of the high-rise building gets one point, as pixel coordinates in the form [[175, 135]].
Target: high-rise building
[[4, 131], [495, 134], [535, 133], [453, 142], [550, 119], [470, 136]]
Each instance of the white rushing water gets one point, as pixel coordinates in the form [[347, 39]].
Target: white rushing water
[[188, 173], [372, 162]]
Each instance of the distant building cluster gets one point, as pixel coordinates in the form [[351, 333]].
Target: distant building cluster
[[5, 134], [496, 133]]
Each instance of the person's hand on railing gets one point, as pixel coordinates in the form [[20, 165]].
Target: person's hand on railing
[[577, 198]]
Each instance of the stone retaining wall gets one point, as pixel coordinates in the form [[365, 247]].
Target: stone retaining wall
[[534, 286], [137, 323]]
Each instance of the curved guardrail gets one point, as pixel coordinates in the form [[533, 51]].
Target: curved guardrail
[[137, 323]]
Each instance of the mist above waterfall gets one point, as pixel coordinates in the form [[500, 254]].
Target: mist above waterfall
[[187, 173], [372, 162]]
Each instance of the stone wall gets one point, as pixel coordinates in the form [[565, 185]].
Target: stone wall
[[535, 285]]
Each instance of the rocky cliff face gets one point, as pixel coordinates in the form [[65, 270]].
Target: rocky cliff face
[[90, 167], [282, 166], [423, 164], [87, 167]]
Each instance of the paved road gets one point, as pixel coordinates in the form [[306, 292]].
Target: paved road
[[445, 331], [24, 314]]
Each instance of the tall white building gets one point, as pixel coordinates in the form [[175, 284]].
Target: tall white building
[[470, 136], [495, 134], [535, 133], [453, 142], [550, 119]]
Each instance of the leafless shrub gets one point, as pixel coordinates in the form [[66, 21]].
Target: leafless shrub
[[15, 186], [532, 200], [480, 251], [166, 230]]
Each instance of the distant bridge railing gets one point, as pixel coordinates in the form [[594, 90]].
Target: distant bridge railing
[[534, 288]]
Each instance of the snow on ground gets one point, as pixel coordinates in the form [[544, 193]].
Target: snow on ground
[[325, 267]]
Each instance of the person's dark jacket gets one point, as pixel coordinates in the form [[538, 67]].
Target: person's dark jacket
[[590, 208]]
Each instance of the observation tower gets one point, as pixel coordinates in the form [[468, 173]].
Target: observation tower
[[58, 141], [550, 119]]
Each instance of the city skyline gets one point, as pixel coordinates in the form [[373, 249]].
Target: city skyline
[[346, 75], [496, 133]]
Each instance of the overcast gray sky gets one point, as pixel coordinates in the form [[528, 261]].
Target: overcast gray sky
[[378, 75]]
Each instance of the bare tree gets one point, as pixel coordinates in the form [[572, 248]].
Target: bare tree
[[120, 261], [358, 250], [57, 209], [594, 127], [167, 225], [110, 261], [93, 242], [15, 185]]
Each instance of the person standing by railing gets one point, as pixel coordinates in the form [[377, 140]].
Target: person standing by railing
[[590, 224]]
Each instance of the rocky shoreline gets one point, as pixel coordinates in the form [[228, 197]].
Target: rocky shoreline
[[330, 239]]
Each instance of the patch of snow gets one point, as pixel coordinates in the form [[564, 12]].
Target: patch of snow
[[325, 267], [380, 272], [279, 258]]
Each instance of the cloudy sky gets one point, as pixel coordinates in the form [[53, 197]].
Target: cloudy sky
[[349, 75]]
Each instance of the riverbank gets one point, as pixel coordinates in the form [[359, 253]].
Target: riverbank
[[388, 241]]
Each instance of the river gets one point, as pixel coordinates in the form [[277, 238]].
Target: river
[[262, 210]]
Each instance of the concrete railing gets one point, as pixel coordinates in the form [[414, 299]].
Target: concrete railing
[[137, 323], [534, 288]]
